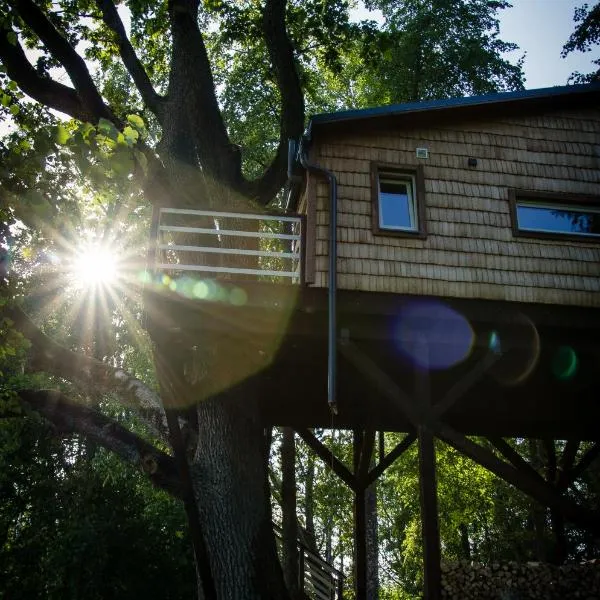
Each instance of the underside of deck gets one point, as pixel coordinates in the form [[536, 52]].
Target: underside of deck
[[527, 371]]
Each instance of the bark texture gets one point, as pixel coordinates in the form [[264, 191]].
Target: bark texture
[[229, 478]]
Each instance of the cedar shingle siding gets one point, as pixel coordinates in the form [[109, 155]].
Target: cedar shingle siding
[[470, 250]]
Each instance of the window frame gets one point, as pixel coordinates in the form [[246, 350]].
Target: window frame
[[415, 173], [545, 200]]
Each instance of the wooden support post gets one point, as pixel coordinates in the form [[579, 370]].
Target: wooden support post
[[429, 514], [360, 527], [288, 506], [364, 459]]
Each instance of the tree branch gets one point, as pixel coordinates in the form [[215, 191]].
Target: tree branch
[[113, 21], [50, 357], [62, 50], [281, 54], [43, 89], [68, 418]]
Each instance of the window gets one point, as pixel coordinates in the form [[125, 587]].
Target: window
[[557, 216], [398, 200]]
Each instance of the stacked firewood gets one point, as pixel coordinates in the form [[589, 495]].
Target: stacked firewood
[[465, 580]]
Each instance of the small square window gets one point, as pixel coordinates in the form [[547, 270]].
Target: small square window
[[398, 201], [557, 216]]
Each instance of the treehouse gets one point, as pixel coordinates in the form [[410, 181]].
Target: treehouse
[[437, 272]]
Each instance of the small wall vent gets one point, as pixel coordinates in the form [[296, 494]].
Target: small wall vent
[[422, 153]]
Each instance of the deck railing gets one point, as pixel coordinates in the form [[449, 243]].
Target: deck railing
[[265, 246], [317, 578]]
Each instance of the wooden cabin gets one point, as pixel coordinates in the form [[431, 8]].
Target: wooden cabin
[[466, 295], [500, 198]]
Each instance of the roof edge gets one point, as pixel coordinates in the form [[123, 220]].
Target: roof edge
[[450, 103]]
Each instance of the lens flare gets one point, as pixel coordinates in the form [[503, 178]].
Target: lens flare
[[432, 335], [565, 363], [94, 266], [517, 341]]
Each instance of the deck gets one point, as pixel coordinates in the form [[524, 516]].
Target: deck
[[527, 371]]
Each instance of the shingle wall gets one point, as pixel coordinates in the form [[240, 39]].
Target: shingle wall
[[470, 250]]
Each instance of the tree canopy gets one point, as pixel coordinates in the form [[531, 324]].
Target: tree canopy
[[585, 37]]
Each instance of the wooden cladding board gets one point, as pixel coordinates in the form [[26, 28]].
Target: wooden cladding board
[[470, 250]]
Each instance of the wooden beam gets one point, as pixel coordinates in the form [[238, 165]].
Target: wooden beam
[[327, 456], [429, 514], [360, 519], [550, 450], [360, 544], [517, 461], [566, 463], [366, 453], [532, 486], [462, 386], [288, 509], [380, 380], [586, 460], [389, 459]]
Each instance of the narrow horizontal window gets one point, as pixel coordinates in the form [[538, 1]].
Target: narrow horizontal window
[[558, 219], [398, 201], [558, 216]]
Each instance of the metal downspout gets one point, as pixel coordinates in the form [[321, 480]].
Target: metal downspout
[[332, 292]]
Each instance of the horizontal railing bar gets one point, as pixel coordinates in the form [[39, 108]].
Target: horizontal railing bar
[[176, 267], [211, 250], [211, 213], [318, 586], [319, 576], [320, 572], [252, 234], [311, 556]]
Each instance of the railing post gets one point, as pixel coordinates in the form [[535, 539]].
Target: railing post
[[301, 570]]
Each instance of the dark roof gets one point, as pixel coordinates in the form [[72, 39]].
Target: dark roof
[[542, 97]]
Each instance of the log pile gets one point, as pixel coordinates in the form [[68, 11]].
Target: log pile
[[465, 580]]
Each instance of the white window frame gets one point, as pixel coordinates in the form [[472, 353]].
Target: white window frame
[[390, 176]]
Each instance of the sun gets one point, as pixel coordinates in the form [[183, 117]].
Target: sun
[[95, 266]]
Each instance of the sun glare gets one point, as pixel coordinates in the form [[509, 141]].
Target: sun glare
[[95, 266]]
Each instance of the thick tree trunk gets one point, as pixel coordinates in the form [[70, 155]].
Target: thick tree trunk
[[230, 483]]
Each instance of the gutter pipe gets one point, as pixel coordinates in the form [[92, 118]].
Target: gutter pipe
[[332, 292]]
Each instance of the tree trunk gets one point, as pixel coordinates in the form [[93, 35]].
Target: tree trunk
[[230, 483], [464, 541]]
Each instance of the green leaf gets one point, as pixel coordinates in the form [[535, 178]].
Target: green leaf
[[137, 122], [108, 129], [62, 135], [11, 36], [5, 100], [14, 110], [12, 85], [131, 135]]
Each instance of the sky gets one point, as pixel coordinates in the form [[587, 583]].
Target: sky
[[540, 28]]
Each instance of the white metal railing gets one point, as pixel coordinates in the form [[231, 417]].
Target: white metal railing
[[186, 238]]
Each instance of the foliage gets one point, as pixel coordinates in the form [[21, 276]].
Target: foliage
[[583, 39], [75, 522], [441, 49]]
